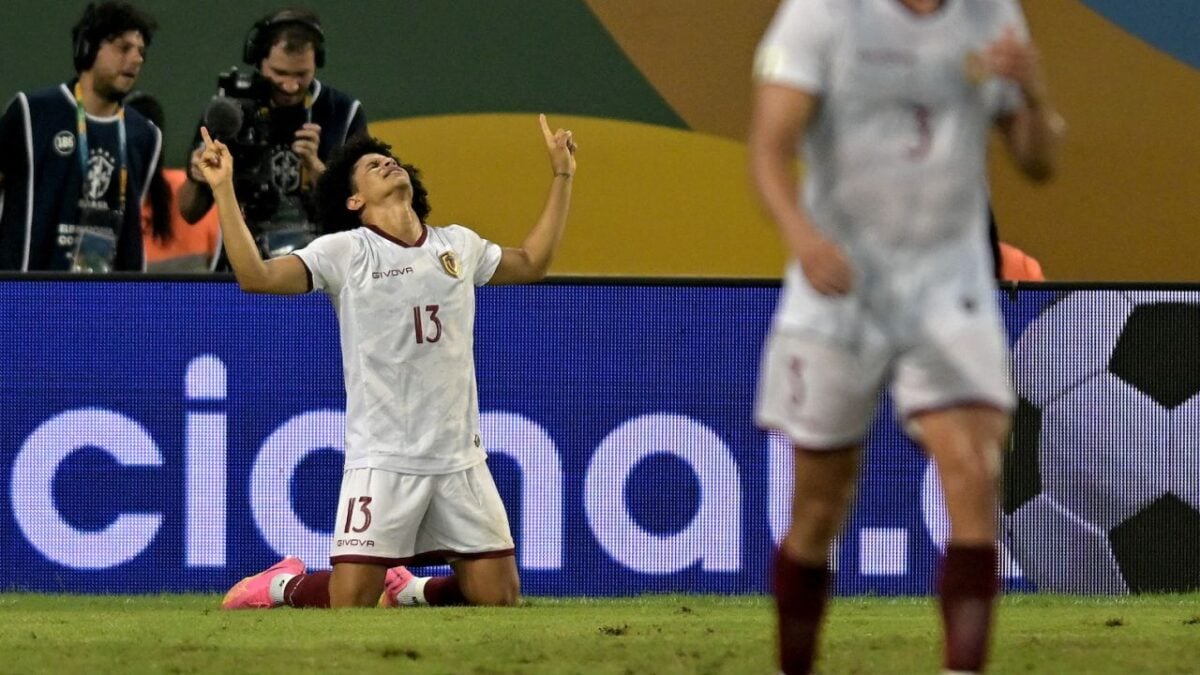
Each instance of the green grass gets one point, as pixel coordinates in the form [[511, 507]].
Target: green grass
[[649, 634]]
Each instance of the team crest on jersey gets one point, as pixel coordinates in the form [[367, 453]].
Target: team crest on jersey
[[975, 68], [101, 165], [64, 143], [450, 263]]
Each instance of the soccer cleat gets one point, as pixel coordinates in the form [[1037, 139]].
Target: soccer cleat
[[396, 580], [254, 592]]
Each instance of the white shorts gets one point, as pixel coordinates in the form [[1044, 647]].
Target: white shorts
[[824, 395], [390, 518]]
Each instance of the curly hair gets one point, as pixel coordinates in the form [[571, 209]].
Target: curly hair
[[106, 21], [336, 185]]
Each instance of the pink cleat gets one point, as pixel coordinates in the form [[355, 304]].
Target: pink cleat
[[254, 592], [396, 580]]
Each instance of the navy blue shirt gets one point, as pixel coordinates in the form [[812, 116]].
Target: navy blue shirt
[[46, 194]]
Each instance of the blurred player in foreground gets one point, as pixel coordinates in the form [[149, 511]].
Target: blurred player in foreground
[[416, 488], [890, 280]]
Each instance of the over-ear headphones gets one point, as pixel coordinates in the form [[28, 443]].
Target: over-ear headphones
[[83, 50], [258, 40]]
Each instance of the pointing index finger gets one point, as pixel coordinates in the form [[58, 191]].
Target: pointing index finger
[[208, 141], [545, 127]]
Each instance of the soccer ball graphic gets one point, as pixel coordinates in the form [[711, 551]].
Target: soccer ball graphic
[[1102, 484]]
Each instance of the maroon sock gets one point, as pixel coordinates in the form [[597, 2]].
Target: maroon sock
[[968, 587], [444, 591], [800, 593], [307, 590]]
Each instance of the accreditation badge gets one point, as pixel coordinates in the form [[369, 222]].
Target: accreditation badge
[[95, 250], [450, 263]]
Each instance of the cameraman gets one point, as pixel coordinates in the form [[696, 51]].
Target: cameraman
[[283, 123], [74, 162]]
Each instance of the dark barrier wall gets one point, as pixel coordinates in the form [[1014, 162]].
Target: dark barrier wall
[[176, 436], [659, 95]]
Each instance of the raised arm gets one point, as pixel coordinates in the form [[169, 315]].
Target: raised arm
[[531, 261], [780, 119], [195, 198], [280, 276], [1032, 133]]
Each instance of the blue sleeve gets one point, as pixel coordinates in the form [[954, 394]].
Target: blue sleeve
[[130, 255], [12, 140], [358, 124]]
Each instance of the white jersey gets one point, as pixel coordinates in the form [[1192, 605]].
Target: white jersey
[[407, 318], [895, 156]]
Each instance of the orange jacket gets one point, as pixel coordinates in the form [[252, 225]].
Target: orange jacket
[[192, 247]]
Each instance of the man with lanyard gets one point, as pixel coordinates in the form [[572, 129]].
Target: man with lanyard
[[74, 163], [307, 121]]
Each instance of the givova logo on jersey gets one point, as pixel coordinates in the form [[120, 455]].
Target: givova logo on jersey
[[101, 165]]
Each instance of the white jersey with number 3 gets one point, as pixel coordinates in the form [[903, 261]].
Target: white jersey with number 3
[[407, 317], [895, 154]]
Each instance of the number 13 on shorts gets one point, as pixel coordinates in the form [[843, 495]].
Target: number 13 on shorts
[[358, 510]]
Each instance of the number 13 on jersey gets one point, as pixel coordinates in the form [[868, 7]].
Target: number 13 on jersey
[[422, 324]]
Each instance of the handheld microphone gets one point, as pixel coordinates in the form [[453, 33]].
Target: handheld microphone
[[223, 117]]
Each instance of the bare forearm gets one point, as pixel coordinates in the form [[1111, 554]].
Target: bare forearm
[[194, 201], [247, 263], [532, 259], [780, 121], [781, 118], [1035, 139], [541, 244], [772, 168]]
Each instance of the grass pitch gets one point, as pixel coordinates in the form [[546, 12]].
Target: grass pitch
[[649, 634]]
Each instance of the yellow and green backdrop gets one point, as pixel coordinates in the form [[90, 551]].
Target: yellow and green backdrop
[[658, 93]]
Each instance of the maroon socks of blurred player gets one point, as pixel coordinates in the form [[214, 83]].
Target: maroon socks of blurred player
[[969, 583], [968, 586], [800, 593], [307, 590]]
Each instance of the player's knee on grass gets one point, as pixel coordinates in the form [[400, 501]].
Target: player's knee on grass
[[499, 593], [489, 581], [492, 584], [354, 585], [354, 597]]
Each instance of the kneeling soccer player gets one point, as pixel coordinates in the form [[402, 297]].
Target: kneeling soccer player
[[416, 488]]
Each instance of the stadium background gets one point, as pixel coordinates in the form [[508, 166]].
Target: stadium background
[[658, 92]]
